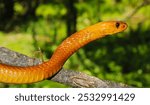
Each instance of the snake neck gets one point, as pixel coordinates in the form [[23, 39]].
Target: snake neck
[[71, 45]]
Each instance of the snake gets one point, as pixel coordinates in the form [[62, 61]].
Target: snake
[[47, 69]]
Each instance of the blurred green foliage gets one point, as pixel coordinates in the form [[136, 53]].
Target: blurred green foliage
[[43, 24]]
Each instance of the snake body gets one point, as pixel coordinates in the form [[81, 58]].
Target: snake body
[[19, 75]]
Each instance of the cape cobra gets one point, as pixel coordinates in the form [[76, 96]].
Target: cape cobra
[[19, 75]]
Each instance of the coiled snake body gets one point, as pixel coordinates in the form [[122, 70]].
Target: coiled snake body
[[19, 75]]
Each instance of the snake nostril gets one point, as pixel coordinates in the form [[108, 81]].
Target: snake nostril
[[124, 26]]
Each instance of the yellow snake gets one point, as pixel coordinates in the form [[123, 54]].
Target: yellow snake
[[19, 75]]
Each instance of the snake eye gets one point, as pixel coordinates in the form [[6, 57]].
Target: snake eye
[[117, 24]]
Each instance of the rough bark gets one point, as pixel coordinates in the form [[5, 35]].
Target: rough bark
[[67, 77]]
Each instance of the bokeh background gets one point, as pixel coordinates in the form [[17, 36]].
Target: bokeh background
[[37, 27]]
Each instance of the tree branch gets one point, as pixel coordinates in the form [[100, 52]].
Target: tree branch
[[67, 77], [137, 8]]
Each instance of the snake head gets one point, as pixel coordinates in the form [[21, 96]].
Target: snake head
[[112, 27]]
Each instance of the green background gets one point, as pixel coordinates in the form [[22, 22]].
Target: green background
[[27, 26]]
